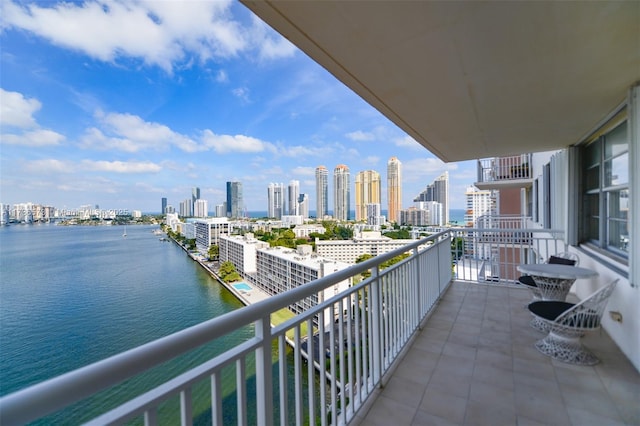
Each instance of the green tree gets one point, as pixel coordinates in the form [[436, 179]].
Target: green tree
[[234, 276], [362, 258], [214, 251], [226, 268]]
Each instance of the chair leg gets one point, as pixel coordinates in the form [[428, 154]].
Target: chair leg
[[566, 348]]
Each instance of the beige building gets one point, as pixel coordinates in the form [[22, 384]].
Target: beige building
[[394, 189], [368, 190]]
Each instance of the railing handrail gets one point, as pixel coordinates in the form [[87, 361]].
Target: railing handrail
[[51, 395]]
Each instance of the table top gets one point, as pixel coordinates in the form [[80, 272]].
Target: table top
[[551, 270]]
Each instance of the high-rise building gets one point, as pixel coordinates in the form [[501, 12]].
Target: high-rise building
[[394, 189], [195, 195], [322, 192], [374, 217], [201, 208], [303, 205], [368, 190], [275, 200], [221, 210], [479, 203], [235, 203], [164, 205], [341, 192], [186, 208], [438, 191], [294, 193]]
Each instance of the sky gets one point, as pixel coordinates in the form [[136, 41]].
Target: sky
[[121, 103]]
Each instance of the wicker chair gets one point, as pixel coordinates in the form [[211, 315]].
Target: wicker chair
[[568, 322], [564, 258]]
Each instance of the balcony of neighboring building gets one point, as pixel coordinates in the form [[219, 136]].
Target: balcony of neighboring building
[[505, 172]]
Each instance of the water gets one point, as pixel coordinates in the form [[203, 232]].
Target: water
[[70, 296]]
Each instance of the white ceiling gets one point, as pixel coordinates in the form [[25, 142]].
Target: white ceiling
[[474, 79]]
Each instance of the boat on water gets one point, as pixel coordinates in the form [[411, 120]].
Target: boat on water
[[124, 234]]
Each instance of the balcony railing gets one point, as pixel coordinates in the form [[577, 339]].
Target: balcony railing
[[493, 254], [504, 168], [359, 335]]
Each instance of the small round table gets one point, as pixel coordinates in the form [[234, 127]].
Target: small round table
[[554, 281]]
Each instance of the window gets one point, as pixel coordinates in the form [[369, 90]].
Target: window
[[605, 198]]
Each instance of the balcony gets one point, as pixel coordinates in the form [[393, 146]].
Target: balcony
[[505, 172], [406, 345]]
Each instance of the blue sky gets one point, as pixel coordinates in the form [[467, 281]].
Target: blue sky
[[121, 103]]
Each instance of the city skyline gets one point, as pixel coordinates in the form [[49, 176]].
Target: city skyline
[[111, 117]]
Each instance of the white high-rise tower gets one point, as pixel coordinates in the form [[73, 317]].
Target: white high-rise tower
[[341, 192], [322, 192]]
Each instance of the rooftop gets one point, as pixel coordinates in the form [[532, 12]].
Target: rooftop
[[474, 362]]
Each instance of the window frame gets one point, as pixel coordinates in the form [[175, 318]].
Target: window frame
[[595, 185]]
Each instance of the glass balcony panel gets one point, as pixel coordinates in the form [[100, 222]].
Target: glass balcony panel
[[618, 234]]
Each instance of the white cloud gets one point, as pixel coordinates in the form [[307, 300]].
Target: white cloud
[[222, 77], [270, 45], [52, 165], [408, 142], [34, 138], [160, 33], [239, 143], [422, 169], [303, 171], [360, 136], [242, 93], [16, 110], [120, 166]]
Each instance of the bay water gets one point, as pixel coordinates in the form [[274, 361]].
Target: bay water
[[73, 295]]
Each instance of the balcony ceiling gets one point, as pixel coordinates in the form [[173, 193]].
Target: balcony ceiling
[[474, 79]]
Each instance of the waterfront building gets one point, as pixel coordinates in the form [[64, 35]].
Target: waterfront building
[[4, 214], [293, 195], [322, 192], [367, 190], [368, 242], [170, 209], [479, 203], [275, 200], [424, 213], [241, 251], [438, 191], [163, 208], [303, 205], [201, 208], [394, 189], [235, 202], [341, 192], [280, 269], [209, 231], [172, 220]]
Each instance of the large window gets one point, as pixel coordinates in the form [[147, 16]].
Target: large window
[[605, 202]]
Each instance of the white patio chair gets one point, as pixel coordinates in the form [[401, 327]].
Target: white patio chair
[[568, 322]]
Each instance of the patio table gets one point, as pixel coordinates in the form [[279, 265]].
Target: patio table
[[554, 281]]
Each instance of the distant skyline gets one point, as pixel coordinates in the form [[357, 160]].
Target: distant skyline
[[139, 101]]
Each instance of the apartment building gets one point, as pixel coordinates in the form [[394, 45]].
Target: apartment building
[[209, 231], [370, 242], [280, 269], [241, 251]]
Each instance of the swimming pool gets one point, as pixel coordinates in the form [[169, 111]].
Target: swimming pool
[[242, 286]]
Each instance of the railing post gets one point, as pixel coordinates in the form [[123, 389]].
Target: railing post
[[264, 379], [416, 255], [377, 310]]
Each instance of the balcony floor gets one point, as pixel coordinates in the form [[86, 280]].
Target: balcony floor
[[475, 363]]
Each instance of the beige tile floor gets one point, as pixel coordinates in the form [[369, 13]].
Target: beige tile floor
[[474, 363]]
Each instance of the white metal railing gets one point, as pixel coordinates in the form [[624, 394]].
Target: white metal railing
[[503, 222], [334, 368], [493, 254], [504, 168]]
